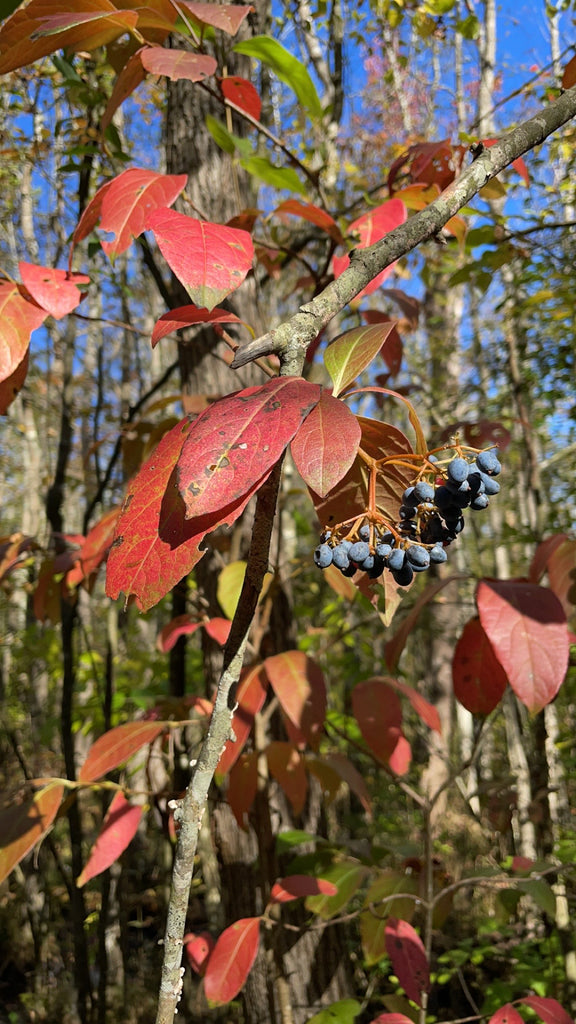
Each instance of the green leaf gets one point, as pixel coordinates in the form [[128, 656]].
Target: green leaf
[[278, 177], [287, 67], [353, 351], [541, 893], [227, 140], [348, 877], [295, 837], [344, 1011]]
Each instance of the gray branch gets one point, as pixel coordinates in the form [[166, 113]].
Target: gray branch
[[290, 339]]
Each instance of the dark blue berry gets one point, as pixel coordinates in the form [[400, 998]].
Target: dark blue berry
[[480, 501], [438, 554], [359, 551], [418, 556], [404, 576], [457, 470], [408, 498], [396, 558], [423, 491], [340, 556], [382, 550], [323, 556], [488, 463], [491, 486], [364, 532]]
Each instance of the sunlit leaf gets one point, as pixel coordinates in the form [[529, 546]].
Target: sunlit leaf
[[238, 439], [177, 64], [210, 260], [506, 1014], [549, 1010], [242, 94], [22, 825], [409, 960], [326, 444], [526, 626], [287, 767], [198, 949], [287, 68], [381, 906], [345, 1011], [294, 887], [189, 316], [347, 876], [353, 351], [231, 961], [299, 685], [41, 27], [118, 830], [56, 291], [18, 318], [116, 746], [123, 206], [226, 17]]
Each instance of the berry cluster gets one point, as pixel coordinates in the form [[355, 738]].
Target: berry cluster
[[430, 518]]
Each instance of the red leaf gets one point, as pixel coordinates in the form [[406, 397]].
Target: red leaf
[[562, 575], [326, 444], [294, 886], [374, 225], [55, 290], [187, 316], [506, 1015], [352, 777], [176, 64], [182, 625], [210, 260], [94, 548], [349, 497], [569, 75], [218, 629], [426, 711], [124, 205], [24, 36], [130, 77], [409, 960], [299, 684], [371, 228], [392, 1018], [378, 712], [116, 746], [479, 679], [287, 767], [543, 554], [226, 17], [21, 826], [242, 94], [155, 546], [238, 439], [231, 961], [526, 626], [314, 215], [198, 949], [118, 830], [250, 697], [243, 786], [18, 318], [11, 386], [549, 1010]]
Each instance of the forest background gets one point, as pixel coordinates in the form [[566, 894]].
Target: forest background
[[404, 758]]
